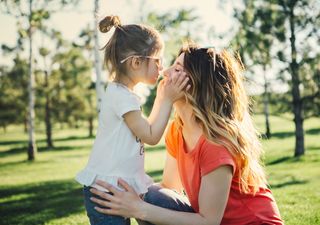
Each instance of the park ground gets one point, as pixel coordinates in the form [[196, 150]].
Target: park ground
[[45, 192]]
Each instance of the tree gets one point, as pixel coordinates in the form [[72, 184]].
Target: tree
[[71, 82], [44, 52], [97, 61], [35, 16], [296, 28], [254, 41]]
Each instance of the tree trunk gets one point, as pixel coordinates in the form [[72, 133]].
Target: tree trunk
[[90, 126], [297, 101], [32, 148], [97, 60], [25, 124], [48, 114], [266, 104]]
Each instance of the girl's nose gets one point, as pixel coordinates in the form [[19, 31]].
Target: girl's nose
[[160, 67], [166, 73]]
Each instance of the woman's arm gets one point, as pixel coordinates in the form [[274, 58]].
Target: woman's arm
[[150, 130], [213, 196], [171, 177]]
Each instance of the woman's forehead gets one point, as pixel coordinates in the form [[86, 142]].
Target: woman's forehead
[[179, 59]]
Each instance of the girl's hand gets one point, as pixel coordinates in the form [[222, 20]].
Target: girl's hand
[[174, 85], [122, 203]]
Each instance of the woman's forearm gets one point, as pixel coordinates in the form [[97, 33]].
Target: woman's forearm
[[161, 216]]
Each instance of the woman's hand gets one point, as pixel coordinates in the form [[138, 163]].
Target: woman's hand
[[122, 203]]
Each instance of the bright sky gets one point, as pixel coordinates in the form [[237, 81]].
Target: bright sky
[[71, 22]]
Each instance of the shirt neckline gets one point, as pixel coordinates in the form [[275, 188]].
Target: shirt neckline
[[195, 148]]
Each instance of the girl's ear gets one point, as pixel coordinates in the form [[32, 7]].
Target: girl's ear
[[136, 63]]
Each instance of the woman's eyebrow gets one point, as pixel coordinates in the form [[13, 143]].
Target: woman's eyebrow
[[178, 63]]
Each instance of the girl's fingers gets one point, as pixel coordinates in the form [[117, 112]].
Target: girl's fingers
[[184, 83], [174, 76]]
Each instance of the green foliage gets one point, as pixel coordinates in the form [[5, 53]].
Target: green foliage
[[71, 95], [13, 93]]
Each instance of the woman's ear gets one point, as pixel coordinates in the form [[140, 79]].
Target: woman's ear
[[136, 63]]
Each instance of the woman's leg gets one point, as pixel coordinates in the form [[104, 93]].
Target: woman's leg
[[166, 198], [97, 218]]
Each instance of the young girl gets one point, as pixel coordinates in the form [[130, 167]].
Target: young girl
[[213, 155], [132, 55]]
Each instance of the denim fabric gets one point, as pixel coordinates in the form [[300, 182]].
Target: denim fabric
[[97, 218], [166, 198]]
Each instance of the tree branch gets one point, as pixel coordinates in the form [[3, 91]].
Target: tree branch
[[310, 97]]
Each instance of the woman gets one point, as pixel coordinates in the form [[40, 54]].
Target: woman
[[213, 154]]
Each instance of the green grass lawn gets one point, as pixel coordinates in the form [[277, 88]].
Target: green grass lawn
[[44, 191]]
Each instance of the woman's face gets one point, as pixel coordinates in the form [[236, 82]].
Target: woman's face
[[175, 68]]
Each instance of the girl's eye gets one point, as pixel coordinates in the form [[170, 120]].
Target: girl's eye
[[176, 70]]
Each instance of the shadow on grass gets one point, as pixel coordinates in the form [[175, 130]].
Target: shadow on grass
[[282, 135], [277, 161], [313, 148], [155, 148], [69, 138], [284, 159], [39, 203], [13, 142], [288, 183], [155, 173], [288, 134], [23, 149], [313, 131]]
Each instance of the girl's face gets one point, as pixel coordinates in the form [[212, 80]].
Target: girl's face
[[154, 67]]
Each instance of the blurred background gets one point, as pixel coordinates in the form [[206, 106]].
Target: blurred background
[[52, 77]]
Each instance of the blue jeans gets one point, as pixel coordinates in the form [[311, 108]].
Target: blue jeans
[[166, 198], [97, 218]]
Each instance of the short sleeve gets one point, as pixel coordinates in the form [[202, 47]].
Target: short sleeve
[[213, 156], [125, 101], [172, 139]]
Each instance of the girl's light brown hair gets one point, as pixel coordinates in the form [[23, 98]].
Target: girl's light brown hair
[[127, 40], [220, 104]]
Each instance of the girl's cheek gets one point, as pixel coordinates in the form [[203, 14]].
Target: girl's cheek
[[166, 73]]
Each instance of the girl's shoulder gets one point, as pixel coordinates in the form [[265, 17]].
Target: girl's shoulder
[[119, 92]]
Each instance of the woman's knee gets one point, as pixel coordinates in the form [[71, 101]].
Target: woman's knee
[[167, 198]]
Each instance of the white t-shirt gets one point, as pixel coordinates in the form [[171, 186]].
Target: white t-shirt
[[117, 152]]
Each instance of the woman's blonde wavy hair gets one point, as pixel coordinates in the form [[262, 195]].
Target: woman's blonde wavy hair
[[220, 104]]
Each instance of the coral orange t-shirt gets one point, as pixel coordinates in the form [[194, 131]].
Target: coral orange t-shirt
[[241, 208]]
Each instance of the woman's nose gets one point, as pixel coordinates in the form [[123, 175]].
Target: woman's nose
[[166, 72]]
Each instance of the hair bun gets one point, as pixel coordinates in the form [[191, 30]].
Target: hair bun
[[108, 22]]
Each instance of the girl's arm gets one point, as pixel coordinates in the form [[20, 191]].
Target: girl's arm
[[213, 196], [150, 130]]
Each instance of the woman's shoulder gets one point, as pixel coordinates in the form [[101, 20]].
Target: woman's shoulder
[[213, 155], [215, 150]]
